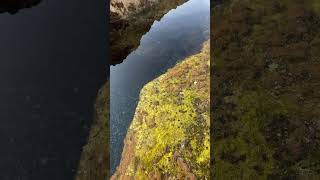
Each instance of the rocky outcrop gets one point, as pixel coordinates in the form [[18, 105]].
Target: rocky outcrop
[[266, 90], [130, 20], [13, 6], [94, 162], [125, 8], [169, 135]]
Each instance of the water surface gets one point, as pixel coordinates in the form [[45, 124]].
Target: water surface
[[180, 33], [53, 60]]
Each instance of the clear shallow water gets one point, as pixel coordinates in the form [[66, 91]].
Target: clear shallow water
[[53, 60], [180, 33]]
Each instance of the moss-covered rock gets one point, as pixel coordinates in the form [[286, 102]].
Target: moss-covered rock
[[94, 162], [169, 135], [266, 90]]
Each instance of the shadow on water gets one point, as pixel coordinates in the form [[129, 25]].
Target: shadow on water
[[180, 33], [13, 6], [53, 60]]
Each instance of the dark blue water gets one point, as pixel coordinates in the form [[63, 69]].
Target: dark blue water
[[180, 33], [53, 60]]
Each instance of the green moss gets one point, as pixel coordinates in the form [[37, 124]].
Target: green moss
[[172, 121], [246, 153], [218, 62], [265, 97], [316, 6]]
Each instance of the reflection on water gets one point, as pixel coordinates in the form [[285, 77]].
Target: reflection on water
[[125, 34], [178, 34]]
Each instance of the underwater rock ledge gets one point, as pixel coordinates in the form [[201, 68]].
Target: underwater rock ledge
[[169, 135]]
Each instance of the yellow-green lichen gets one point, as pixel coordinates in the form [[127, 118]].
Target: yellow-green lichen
[[172, 120]]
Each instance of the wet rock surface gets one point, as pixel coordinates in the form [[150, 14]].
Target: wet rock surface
[[266, 90]]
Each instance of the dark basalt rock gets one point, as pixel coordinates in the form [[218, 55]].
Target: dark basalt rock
[[13, 6]]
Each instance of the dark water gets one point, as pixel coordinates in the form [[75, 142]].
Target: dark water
[[178, 34], [53, 59]]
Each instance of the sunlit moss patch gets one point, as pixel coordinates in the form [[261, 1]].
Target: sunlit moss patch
[[171, 124]]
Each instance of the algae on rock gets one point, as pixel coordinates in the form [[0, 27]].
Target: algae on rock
[[169, 135]]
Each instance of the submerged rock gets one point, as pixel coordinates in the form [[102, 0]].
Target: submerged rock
[[13, 6], [169, 135], [265, 89]]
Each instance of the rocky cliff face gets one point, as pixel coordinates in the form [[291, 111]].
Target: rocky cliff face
[[266, 90], [169, 135], [130, 20], [94, 162], [125, 8], [13, 6], [128, 24]]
